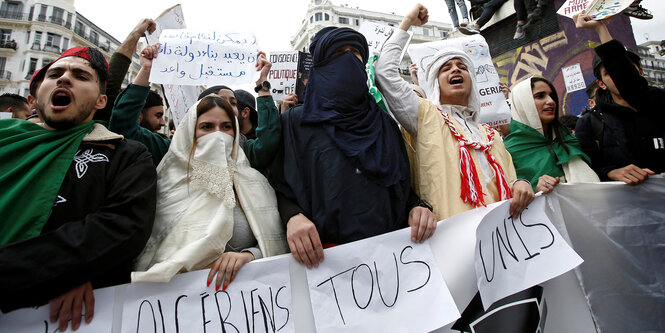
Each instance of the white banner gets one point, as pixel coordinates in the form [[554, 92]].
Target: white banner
[[259, 297], [197, 57], [602, 9], [515, 254], [493, 107], [180, 98], [385, 283], [377, 34]]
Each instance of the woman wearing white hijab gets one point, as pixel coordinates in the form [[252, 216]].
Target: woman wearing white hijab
[[446, 130], [213, 209], [544, 151]]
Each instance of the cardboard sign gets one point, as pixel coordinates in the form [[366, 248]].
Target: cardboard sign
[[197, 57], [573, 77], [572, 7], [515, 254], [601, 9], [381, 284], [493, 107], [258, 298], [179, 98], [30, 320]]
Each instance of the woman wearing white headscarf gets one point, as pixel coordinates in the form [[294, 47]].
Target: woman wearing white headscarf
[[213, 209], [446, 130]]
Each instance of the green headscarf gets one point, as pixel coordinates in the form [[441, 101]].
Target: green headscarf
[[33, 164], [534, 156]]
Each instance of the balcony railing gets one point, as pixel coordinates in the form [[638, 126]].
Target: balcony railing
[[10, 44], [6, 75], [56, 20], [80, 31], [36, 47], [51, 48], [12, 15]]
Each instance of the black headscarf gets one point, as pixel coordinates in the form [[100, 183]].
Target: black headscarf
[[337, 98]]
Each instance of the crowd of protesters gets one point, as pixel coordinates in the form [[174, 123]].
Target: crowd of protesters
[[87, 206]]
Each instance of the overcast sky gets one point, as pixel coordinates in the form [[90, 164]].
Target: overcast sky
[[275, 22]]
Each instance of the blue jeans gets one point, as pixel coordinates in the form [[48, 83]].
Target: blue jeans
[[453, 11]]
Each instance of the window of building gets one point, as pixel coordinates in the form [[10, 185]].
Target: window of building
[[443, 34], [32, 67], [57, 16], [356, 21], [68, 24], [318, 17], [37, 42], [42, 14], [12, 10], [311, 19], [317, 2], [425, 31], [79, 29], [52, 42], [27, 37], [5, 35], [343, 20], [94, 38], [327, 17], [46, 62], [65, 43], [3, 62]]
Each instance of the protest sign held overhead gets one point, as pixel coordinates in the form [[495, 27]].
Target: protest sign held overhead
[[601, 9], [513, 254], [493, 108], [197, 57], [179, 98], [257, 300], [288, 74], [377, 34], [380, 284], [572, 7]]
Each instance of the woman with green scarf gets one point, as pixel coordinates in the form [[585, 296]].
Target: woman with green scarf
[[543, 151]]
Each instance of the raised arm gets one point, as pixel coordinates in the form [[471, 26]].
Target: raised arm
[[402, 101]]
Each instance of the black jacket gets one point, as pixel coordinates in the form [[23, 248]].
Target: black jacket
[[100, 221], [621, 135]]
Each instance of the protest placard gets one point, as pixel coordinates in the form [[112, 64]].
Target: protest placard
[[572, 7], [377, 34], [513, 254], [30, 320], [304, 66], [573, 77], [493, 107], [258, 298], [380, 284], [5, 115], [601, 9], [283, 74], [179, 98], [205, 57]]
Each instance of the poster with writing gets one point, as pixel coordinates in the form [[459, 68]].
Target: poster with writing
[[205, 57], [283, 74], [179, 98], [377, 34], [258, 300], [601, 9], [572, 7], [573, 77], [493, 107], [381, 284], [31, 320], [513, 254]]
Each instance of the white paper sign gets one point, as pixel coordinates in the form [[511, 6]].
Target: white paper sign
[[377, 35], [515, 254], [5, 115], [573, 77], [572, 7], [493, 107], [601, 9], [283, 74], [257, 300], [198, 57], [180, 98], [31, 320], [381, 284]]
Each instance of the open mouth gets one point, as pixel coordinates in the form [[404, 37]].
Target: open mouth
[[61, 99], [455, 80]]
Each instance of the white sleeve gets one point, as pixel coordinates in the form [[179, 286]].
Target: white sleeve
[[401, 99]]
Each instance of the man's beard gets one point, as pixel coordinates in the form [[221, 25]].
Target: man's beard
[[66, 123]]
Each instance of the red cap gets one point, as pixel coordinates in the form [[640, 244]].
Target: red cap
[[81, 52]]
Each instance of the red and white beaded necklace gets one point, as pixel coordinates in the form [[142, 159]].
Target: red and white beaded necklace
[[472, 190]]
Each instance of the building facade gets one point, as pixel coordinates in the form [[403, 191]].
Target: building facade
[[323, 13], [653, 63], [35, 32]]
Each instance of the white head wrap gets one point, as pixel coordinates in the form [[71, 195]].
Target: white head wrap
[[523, 107], [432, 75]]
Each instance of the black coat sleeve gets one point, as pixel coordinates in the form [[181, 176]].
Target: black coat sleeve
[[98, 247], [118, 67]]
